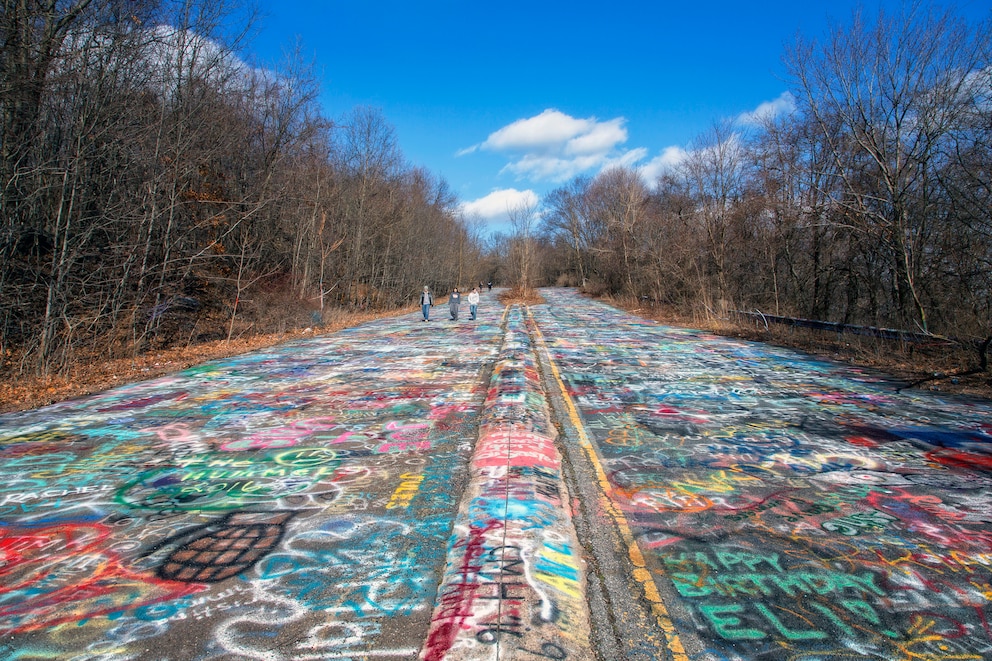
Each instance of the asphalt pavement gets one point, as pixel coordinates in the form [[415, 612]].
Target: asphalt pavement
[[777, 506], [564, 481]]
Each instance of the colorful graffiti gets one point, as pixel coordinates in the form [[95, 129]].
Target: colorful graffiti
[[514, 581], [367, 494], [291, 503], [788, 508]]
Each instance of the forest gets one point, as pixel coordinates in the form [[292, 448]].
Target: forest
[[158, 190], [869, 204]]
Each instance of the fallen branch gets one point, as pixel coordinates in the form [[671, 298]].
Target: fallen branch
[[983, 366]]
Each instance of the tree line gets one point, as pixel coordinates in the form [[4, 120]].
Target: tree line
[[155, 186], [870, 203]]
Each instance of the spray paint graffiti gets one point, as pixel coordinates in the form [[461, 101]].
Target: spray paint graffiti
[[217, 551], [791, 508], [293, 502], [514, 582]]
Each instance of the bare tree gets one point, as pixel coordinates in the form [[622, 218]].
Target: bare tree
[[523, 220], [714, 174], [887, 95], [155, 187], [567, 217], [615, 202]]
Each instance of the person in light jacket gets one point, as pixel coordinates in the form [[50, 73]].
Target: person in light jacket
[[426, 301], [453, 300], [473, 302]]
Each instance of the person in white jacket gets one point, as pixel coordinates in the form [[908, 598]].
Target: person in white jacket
[[473, 302]]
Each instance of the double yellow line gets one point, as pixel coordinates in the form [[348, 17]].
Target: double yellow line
[[641, 573]]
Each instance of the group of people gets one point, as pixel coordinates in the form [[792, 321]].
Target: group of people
[[454, 300]]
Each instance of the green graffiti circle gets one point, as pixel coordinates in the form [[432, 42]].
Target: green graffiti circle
[[305, 457]]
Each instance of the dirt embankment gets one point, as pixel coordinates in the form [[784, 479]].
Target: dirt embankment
[[937, 367], [19, 392]]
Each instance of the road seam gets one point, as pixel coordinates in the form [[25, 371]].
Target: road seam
[[640, 572], [514, 584]]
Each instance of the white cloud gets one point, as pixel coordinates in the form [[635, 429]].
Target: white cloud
[[540, 167], [628, 159], [662, 163], [497, 204], [553, 146], [599, 139], [549, 130], [785, 104]]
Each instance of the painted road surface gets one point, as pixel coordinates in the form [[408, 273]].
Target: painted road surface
[[775, 506], [560, 482], [298, 503]]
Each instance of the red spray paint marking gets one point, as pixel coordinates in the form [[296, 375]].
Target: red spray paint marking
[[46, 597], [960, 459], [445, 628]]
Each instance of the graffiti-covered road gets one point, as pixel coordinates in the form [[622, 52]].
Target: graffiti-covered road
[[560, 482], [296, 503], [778, 507]]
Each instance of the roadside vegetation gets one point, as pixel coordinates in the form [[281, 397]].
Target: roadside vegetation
[[866, 200], [520, 296], [162, 194], [166, 201]]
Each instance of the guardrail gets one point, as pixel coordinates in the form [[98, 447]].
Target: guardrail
[[870, 331]]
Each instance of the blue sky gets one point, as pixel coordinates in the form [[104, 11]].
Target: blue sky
[[508, 100]]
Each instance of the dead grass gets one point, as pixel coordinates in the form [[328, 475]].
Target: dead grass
[[934, 367], [521, 296], [21, 392]]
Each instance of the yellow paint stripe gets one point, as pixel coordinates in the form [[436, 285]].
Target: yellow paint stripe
[[641, 573]]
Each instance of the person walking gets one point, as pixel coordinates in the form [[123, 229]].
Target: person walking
[[473, 302], [426, 301], [453, 300]]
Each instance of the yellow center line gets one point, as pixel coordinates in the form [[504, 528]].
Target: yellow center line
[[641, 573]]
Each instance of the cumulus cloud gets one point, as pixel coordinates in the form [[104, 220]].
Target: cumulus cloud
[[498, 204], [783, 105], [554, 146], [664, 162], [628, 159], [550, 130], [541, 167], [600, 138]]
